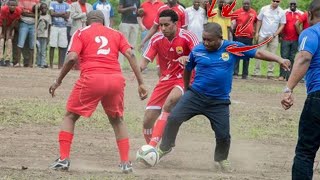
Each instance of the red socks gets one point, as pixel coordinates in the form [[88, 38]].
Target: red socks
[[147, 133], [65, 140], [159, 128], [123, 146]]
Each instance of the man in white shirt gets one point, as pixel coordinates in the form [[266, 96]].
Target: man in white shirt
[[196, 18], [271, 21]]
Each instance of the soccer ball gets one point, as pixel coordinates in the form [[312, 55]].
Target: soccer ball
[[147, 155]]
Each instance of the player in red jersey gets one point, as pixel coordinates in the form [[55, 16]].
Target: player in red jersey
[[101, 80], [172, 45]]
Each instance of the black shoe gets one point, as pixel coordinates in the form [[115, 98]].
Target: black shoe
[[2, 63], [7, 63], [62, 165]]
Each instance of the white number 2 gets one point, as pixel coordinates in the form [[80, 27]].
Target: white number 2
[[104, 42]]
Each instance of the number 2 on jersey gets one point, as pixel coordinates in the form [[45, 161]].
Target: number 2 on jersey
[[104, 42]]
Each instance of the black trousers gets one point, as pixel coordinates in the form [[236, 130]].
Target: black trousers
[[246, 61]]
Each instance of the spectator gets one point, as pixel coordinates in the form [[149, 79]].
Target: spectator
[[60, 13], [149, 11], [43, 29], [10, 16], [271, 21], [289, 35], [225, 23], [26, 30], [196, 18], [302, 20], [78, 14], [244, 15], [107, 10], [129, 23]]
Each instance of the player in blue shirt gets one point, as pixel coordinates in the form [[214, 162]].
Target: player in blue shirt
[[307, 61], [209, 93]]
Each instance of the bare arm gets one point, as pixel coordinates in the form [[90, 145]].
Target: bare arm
[[55, 14], [297, 25], [151, 32], [186, 78], [144, 63], [300, 67], [279, 30], [121, 9], [71, 59], [268, 56]]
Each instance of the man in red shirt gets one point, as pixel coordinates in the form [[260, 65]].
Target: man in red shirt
[[289, 43], [10, 15], [245, 15], [101, 80], [302, 20], [149, 10], [181, 23], [171, 45]]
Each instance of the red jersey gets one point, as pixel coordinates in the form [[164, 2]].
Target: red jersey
[[150, 12], [10, 17], [304, 20], [98, 48], [179, 10], [243, 18], [169, 51], [289, 32]]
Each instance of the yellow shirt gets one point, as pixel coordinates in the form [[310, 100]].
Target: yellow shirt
[[224, 22]]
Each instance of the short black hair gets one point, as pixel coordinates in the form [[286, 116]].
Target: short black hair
[[314, 8], [213, 28], [169, 13]]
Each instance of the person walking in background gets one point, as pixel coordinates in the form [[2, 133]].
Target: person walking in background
[[106, 7], [26, 31], [196, 18], [289, 37], [129, 22], [245, 15], [209, 94], [43, 29], [10, 16], [60, 12], [307, 62], [271, 21], [224, 22], [97, 48]]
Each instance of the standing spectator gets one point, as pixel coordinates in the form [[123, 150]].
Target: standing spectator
[[271, 21], [196, 18], [149, 12], [78, 14], [10, 16], [60, 13], [289, 35], [225, 23], [181, 23], [43, 29], [129, 23], [26, 30], [307, 62], [244, 15], [107, 10], [302, 20], [209, 94], [101, 80]]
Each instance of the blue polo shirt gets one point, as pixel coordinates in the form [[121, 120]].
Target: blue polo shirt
[[214, 69], [309, 40]]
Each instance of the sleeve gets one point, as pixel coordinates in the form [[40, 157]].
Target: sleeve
[[94, 6], [156, 19], [260, 15], [191, 64], [193, 40], [67, 7], [283, 19], [308, 41], [111, 11], [51, 6], [4, 12], [124, 44], [76, 44], [19, 12], [151, 50]]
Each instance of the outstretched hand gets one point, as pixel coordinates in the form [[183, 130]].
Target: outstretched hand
[[143, 93], [286, 65]]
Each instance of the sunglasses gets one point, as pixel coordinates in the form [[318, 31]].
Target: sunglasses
[[276, 1]]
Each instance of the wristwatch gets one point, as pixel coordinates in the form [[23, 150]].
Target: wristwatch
[[287, 90]]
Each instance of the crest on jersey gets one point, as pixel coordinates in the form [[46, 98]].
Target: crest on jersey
[[179, 50], [225, 56]]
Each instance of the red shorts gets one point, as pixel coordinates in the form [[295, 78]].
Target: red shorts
[[161, 92], [90, 89]]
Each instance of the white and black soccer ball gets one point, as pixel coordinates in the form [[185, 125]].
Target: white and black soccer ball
[[148, 155]]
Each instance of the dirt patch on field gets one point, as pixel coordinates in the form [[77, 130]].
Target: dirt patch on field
[[262, 147]]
